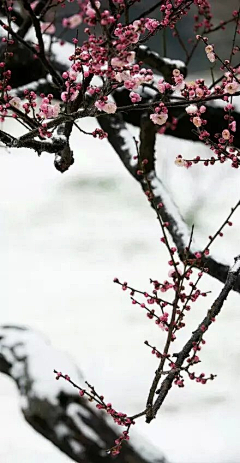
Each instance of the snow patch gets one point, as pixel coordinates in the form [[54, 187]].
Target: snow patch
[[129, 145], [83, 427], [76, 446], [42, 359], [160, 190]]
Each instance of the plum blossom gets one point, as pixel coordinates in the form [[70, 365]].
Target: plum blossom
[[66, 96], [232, 87], [233, 126], [135, 97], [191, 109], [48, 28], [211, 57], [15, 102], [210, 53], [122, 76], [159, 118], [197, 121], [49, 111], [91, 11], [151, 24], [72, 21], [161, 86], [108, 107], [131, 57], [199, 92], [209, 49], [226, 134], [178, 79], [179, 161], [118, 62]]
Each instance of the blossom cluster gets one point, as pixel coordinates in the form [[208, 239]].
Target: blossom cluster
[[110, 54], [118, 417]]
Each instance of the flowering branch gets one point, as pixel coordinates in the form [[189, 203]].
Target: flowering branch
[[232, 277], [59, 413]]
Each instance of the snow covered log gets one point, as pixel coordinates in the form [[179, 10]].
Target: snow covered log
[[54, 409]]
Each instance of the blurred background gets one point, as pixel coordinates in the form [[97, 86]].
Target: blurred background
[[222, 11], [64, 239]]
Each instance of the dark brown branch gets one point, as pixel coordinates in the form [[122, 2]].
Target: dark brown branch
[[184, 129], [27, 22], [147, 142], [41, 53], [150, 10]]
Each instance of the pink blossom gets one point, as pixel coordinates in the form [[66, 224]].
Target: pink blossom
[[122, 76], [209, 49], [48, 28], [198, 255], [199, 92], [233, 126], [15, 102], [160, 118], [151, 24], [130, 84], [197, 121], [108, 107], [72, 21], [49, 111], [202, 109], [91, 11], [120, 62], [66, 96], [131, 57], [117, 62], [161, 86], [211, 57], [231, 87], [226, 134], [135, 97]]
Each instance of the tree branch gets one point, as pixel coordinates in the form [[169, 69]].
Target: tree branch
[[196, 337], [52, 408], [124, 145], [184, 128], [163, 65]]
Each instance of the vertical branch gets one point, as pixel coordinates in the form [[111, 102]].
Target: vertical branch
[[41, 53]]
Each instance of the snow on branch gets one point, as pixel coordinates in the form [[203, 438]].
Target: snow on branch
[[119, 137], [163, 65], [55, 410]]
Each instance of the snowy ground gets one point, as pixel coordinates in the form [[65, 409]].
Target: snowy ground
[[63, 239]]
